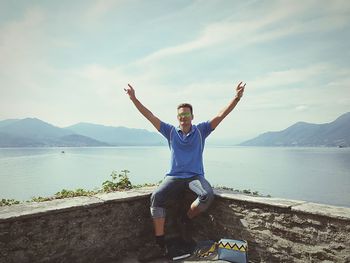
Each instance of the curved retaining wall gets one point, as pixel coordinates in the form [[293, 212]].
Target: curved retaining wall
[[108, 227], [280, 230]]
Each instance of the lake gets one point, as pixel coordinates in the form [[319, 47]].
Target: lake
[[313, 174]]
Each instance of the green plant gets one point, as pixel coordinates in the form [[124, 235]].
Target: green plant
[[70, 193], [40, 199], [245, 191], [122, 184], [144, 185], [4, 202]]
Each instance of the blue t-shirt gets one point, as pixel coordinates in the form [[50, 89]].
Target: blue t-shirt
[[186, 149]]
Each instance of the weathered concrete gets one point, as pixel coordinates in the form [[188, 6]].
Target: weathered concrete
[[280, 230], [108, 227], [82, 229], [22, 211], [270, 201]]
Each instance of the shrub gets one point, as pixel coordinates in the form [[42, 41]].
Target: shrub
[[4, 202], [122, 184]]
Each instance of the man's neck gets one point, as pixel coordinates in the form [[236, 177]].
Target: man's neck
[[186, 129]]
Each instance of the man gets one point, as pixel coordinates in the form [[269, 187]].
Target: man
[[186, 143]]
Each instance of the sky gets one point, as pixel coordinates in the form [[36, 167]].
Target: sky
[[66, 62]]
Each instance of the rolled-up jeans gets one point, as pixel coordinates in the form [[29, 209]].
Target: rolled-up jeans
[[173, 188]]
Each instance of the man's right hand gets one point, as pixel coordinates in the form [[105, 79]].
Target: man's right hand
[[142, 109], [130, 91]]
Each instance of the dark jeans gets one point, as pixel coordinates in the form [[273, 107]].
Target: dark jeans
[[174, 188]]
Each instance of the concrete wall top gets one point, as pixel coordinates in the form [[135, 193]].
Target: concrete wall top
[[34, 208], [331, 211], [8, 213]]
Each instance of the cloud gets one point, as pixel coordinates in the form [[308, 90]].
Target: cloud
[[278, 21], [100, 8], [22, 62], [311, 90], [301, 108], [83, 86], [283, 78], [20, 40]]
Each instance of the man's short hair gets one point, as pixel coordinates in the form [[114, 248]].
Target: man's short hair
[[185, 105]]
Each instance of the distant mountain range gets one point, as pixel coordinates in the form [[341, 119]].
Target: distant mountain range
[[333, 134], [118, 135], [32, 132]]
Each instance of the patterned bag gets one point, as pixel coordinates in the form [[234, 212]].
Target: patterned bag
[[205, 250], [233, 250]]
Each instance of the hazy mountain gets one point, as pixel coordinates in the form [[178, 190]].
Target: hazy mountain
[[336, 133], [77, 140], [32, 128], [118, 135], [7, 122], [32, 132], [8, 140]]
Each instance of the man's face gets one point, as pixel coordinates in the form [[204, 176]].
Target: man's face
[[184, 116]]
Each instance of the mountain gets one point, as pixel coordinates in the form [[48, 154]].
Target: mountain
[[7, 122], [118, 135], [32, 128], [32, 132], [333, 134]]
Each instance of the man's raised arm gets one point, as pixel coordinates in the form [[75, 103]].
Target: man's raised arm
[[225, 111], [144, 111]]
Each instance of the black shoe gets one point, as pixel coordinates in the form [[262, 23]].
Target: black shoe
[[152, 252], [177, 253], [179, 248]]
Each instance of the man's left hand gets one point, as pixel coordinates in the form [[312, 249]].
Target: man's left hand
[[240, 89]]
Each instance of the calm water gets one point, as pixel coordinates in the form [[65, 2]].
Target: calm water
[[312, 174]]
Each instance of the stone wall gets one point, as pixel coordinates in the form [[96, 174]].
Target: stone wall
[[83, 229], [106, 227], [279, 230]]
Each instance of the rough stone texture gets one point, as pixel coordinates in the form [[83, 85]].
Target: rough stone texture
[[109, 227], [279, 233], [95, 232]]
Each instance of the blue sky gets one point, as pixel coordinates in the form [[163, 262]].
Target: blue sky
[[68, 61]]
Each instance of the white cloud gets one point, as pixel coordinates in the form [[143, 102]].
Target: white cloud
[[99, 8], [22, 62], [279, 99], [20, 40], [281, 79], [276, 23], [89, 89], [301, 108]]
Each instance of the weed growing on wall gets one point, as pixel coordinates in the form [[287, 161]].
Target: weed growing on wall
[[4, 202], [122, 184], [245, 191], [119, 182]]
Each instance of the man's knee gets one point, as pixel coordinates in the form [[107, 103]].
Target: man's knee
[[204, 200], [153, 197], [206, 197], [157, 198], [157, 212], [157, 204]]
